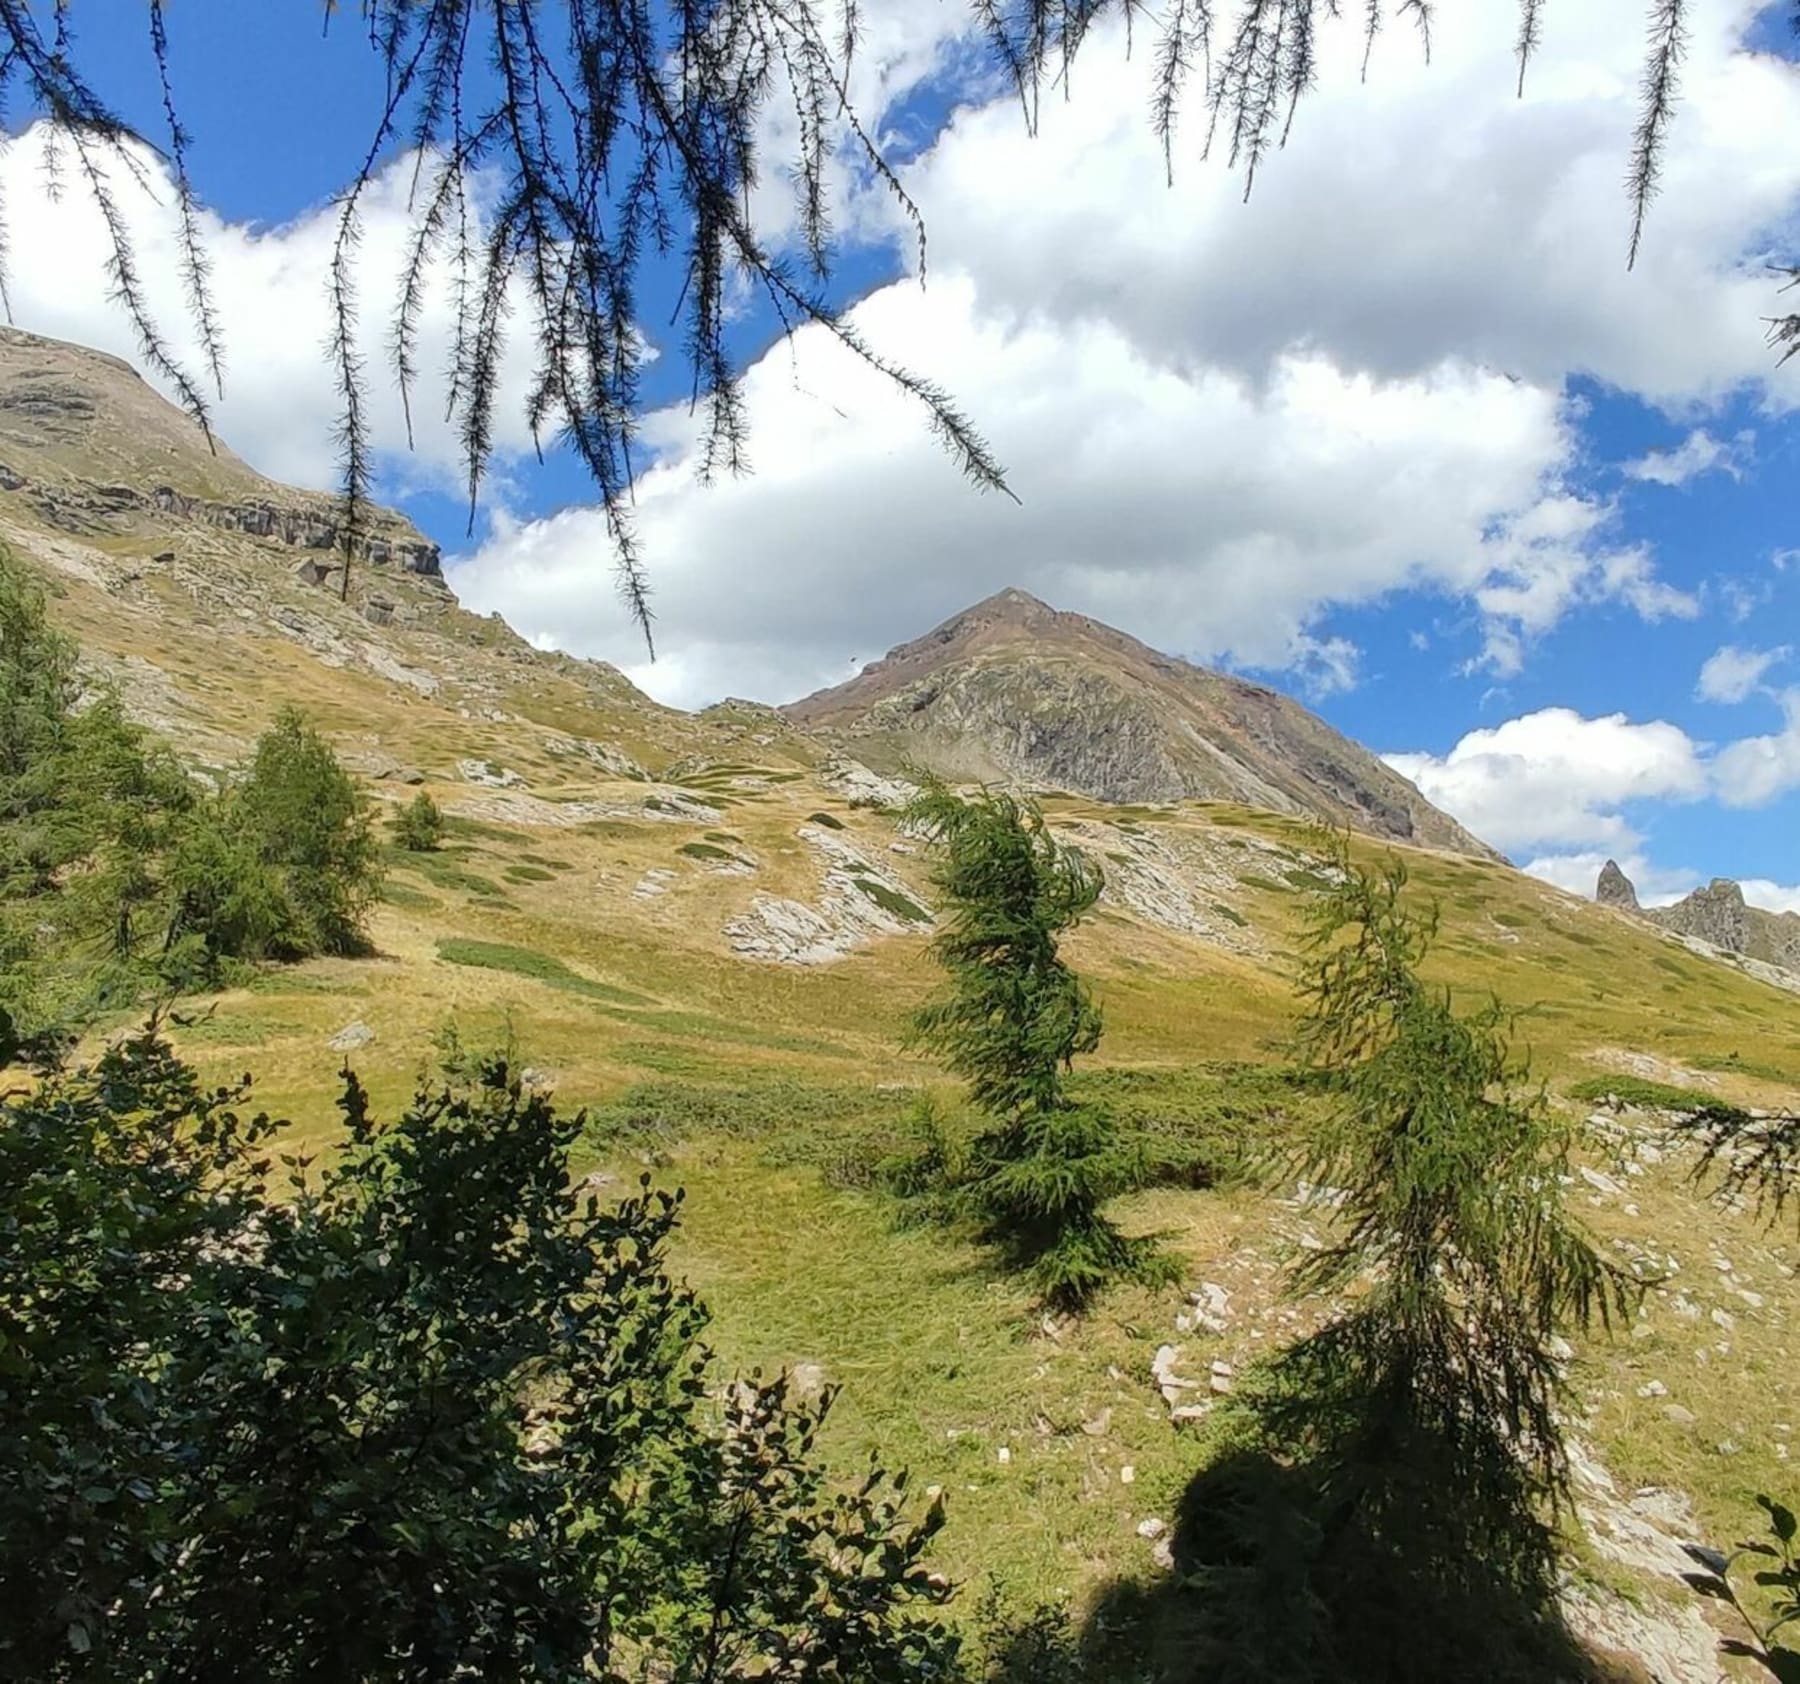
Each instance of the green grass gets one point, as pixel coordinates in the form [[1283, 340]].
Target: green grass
[[535, 966], [708, 851], [408, 899], [892, 902], [1646, 1095], [1230, 914], [829, 820], [1734, 1064], [523, 873]]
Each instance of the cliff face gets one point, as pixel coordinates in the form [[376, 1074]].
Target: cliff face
[[1012, 690], [1717, 915], [89, 448]]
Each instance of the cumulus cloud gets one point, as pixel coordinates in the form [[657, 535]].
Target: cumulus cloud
[[1771, 897], [280, 405], [1699, 453], [1755, 770], [1208, 514], [1555, 777], [1731, 674], [1656, 885], [1225, 421]]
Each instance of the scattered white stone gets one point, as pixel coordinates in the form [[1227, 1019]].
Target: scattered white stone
[[351, 1036], [1679, 1416], [1600, 1182], [1724, 1319], [1190, 1413], [488, 775], [1151, 1528], [1127, 1474], [1653, 1388], [1005, 1455], [1168, 1382], [654, 882], [1753, 1299], [1162, 1554]]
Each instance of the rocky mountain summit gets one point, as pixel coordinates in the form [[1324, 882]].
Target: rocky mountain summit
[[1012, 690], [1716, 915]]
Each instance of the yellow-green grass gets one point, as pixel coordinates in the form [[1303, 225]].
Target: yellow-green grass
[[942, 1361]]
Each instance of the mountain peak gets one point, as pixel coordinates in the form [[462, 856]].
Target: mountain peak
[[1012, 690]]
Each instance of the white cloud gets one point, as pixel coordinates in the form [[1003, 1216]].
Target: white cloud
[[1656, 885], [1579, 873], [1771, 897], [1699, 453], [1755, 770], [1419, 216], [1555, 777], [280, 405], [1208, 514], [1731, 674], [1224, 420]]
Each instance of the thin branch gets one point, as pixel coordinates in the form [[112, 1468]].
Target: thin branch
[[1668, 46]]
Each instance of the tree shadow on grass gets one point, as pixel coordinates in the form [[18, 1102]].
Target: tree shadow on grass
[[1287, 1568]]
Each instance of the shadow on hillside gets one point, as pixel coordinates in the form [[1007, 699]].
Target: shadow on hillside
[[1279, 1577]]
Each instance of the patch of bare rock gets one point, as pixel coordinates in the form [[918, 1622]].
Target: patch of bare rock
[[858, 901]]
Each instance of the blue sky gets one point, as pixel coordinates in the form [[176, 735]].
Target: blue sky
[[1399, 435]]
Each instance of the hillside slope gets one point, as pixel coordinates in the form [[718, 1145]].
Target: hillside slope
[[1015, 689], [707, 928]]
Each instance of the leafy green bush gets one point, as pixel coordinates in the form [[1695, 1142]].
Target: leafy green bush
[[419, 825], [422, 1414], [1779, 1578]]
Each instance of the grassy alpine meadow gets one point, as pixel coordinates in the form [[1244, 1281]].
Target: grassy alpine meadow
[[771, 1093]]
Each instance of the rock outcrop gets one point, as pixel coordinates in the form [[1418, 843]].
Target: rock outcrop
[[1717, 916], [1615, 889]]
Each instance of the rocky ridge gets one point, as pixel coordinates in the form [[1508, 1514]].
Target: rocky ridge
[[1012, 690], [1716, 916]]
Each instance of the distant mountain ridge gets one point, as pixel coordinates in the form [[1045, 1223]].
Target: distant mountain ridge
[[1717, 914], [1015, 690]]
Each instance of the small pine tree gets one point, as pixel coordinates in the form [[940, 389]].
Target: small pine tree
[[1011, 1019], [419, 825], [309, 823], [1453, 1245]]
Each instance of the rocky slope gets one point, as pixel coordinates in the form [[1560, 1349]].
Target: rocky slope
[[1013, 690], [1716, 915]]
